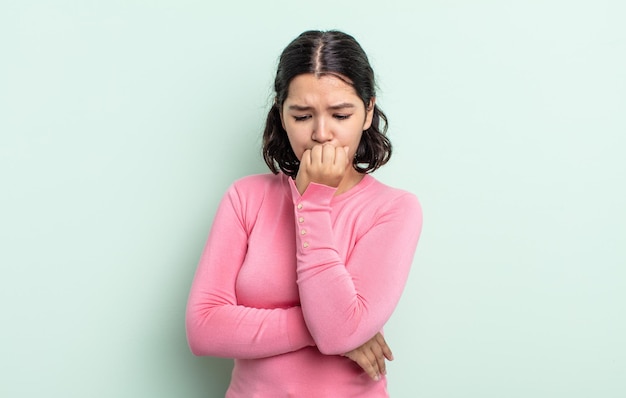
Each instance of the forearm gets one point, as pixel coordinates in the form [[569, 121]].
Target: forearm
[[338, 317], [233, 331], [347, 298]]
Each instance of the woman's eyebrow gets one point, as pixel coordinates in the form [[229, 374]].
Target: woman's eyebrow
[[343, 105], [303, 108], [299, 108]]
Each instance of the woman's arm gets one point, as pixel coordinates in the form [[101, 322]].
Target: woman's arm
[[345, 304], [215, 324]]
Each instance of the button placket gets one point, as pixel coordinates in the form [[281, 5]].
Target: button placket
[[303, 232]]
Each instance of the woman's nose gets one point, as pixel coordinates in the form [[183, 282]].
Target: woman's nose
[[321, 132]]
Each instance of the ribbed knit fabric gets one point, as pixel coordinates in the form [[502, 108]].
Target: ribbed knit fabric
[[288, 282]]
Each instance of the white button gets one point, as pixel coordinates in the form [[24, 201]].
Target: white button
[[303, 232], [301, 219], [299, 206], [305, 244]]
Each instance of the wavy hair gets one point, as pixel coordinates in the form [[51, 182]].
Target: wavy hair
[[325, 53]]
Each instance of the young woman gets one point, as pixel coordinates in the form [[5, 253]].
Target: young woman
[[303, 267]]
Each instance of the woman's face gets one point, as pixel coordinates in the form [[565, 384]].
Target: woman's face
[[324, 110]]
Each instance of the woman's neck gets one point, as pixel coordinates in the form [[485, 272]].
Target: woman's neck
[[350, 179]]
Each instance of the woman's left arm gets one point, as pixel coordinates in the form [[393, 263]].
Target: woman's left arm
[[345, 304]]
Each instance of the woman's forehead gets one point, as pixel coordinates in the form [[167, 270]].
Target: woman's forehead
[[313, 87]]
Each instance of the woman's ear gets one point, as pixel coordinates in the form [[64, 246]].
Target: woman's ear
[[369, 114]]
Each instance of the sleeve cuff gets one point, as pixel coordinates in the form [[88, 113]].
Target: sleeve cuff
[[317, 193]]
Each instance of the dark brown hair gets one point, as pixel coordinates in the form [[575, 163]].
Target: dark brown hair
[[325, 53]]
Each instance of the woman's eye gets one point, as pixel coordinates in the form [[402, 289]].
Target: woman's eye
[[342, 117], [301, 118]]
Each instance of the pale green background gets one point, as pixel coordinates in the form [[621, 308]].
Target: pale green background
[[123, 122]]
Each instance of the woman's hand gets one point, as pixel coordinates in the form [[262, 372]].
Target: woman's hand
[[322, 164], [371, 356]]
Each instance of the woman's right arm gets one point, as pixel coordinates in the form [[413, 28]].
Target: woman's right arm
[[216, 325]]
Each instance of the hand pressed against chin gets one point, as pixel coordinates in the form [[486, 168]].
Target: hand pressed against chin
[[322, 164]]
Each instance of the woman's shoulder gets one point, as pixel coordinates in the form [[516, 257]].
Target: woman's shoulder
[[257, 186], [383, 193], [389, 202], [259, 181]]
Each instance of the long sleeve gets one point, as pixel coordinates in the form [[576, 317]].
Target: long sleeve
[[347, 297], [216, 325]]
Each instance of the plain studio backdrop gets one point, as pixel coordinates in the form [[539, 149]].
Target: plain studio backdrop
[[122, 123]]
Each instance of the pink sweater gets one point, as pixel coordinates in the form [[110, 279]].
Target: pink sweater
[[288, 283]]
